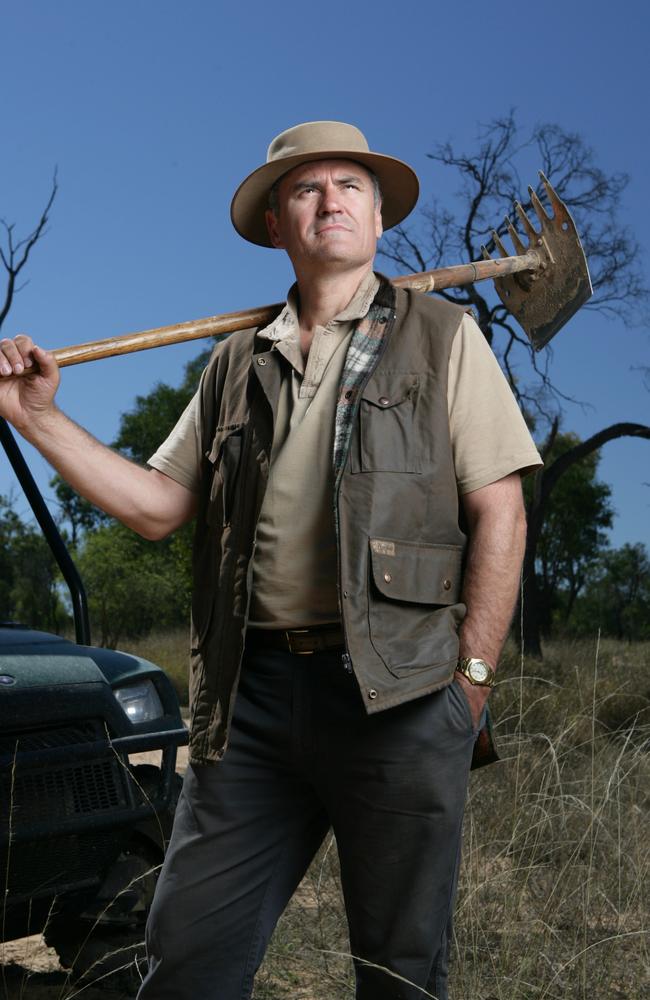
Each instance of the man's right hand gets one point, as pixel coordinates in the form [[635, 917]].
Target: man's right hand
[[148, 501], [27, 399]]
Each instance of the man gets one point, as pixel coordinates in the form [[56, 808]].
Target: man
[[345, 632]]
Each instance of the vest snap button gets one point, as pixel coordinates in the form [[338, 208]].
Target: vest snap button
[[446, 584], [383, 401], [387, 577], [261, 361], [372, 693]]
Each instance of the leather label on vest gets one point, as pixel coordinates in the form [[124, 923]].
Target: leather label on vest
[[382, 548]]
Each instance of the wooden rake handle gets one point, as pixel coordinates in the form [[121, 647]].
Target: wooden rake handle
[[211, 326]]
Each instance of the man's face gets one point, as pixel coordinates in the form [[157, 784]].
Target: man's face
[[326, 215]]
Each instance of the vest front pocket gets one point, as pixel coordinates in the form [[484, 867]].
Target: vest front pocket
[[413, 609], [224, 458], [387, 440]]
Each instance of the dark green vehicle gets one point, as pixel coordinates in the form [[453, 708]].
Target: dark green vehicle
[[83, 828]]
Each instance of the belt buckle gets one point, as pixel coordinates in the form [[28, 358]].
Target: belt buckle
[[297, 633]]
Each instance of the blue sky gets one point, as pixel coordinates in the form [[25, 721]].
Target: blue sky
[[153, 113]]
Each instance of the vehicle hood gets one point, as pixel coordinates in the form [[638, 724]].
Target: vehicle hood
[[35, 659]]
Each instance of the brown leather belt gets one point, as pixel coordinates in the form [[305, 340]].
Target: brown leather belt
[[300, 641]]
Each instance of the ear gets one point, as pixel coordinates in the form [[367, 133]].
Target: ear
[[379, 228], [272, 227]]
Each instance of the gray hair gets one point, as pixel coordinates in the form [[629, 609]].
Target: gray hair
[[274, 200]]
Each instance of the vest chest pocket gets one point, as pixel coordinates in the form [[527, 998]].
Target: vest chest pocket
[[224, 459], [387, 439]]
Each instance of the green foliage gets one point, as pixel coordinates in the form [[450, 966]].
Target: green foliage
[[10, 528], [75, 511], [35, 592], [132, 584], [583, 585], [617, 597], [573, 534], [180, 555], [29, 580], [144, 427]]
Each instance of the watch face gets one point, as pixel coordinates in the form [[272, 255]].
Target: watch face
[[478, 671]]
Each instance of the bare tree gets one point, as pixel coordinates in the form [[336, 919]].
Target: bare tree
[[14, 254], [489, 185]]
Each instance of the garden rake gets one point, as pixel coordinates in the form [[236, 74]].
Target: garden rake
[[542, 286]]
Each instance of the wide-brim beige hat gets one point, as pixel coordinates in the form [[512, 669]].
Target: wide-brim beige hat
[[319, 141]]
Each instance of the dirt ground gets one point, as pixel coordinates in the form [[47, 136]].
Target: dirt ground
[[31, 971]]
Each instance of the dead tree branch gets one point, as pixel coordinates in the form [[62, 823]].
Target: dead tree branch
[[15, 253]]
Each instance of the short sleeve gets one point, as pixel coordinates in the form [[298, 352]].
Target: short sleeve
[[489, 436], [179, 456]]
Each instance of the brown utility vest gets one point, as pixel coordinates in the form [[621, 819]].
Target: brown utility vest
[[400, 547]]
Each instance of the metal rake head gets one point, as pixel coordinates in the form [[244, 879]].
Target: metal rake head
[[544, 297]]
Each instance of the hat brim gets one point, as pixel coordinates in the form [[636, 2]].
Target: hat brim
[[399, 188]]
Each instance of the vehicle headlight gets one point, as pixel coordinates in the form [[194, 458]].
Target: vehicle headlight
[[140, 701]]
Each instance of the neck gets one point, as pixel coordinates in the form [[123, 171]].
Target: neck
[[324, 296]]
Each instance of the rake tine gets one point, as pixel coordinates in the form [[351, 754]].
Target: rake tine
[[558, 206], [499, 245], [484, 253], [540, 211], [525, 221], [514, 236]]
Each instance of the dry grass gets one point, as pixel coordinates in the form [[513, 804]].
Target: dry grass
[[168, 650]]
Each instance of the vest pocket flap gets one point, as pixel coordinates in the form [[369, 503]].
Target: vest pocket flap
[[224, 457], [386, 391], [421, 573], [222, 434]]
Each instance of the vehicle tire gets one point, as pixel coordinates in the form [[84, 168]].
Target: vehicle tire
[[104, 945]]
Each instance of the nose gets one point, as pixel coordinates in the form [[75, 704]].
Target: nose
[[329, 200]]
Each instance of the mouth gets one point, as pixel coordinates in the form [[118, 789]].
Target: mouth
[[335, 227]]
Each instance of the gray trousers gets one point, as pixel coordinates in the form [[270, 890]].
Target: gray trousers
[[304, 757]]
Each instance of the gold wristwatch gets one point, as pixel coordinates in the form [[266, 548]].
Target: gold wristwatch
[[477, 671]]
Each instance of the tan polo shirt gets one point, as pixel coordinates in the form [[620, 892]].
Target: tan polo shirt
[[295, 560]]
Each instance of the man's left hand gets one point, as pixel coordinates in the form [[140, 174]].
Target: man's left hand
[[477, 696]]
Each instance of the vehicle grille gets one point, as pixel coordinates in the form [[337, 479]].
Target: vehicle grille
[[66, 791], [37, 859], [86, 731], [68, 862]]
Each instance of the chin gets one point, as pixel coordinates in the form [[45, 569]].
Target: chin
[[343, 260]]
